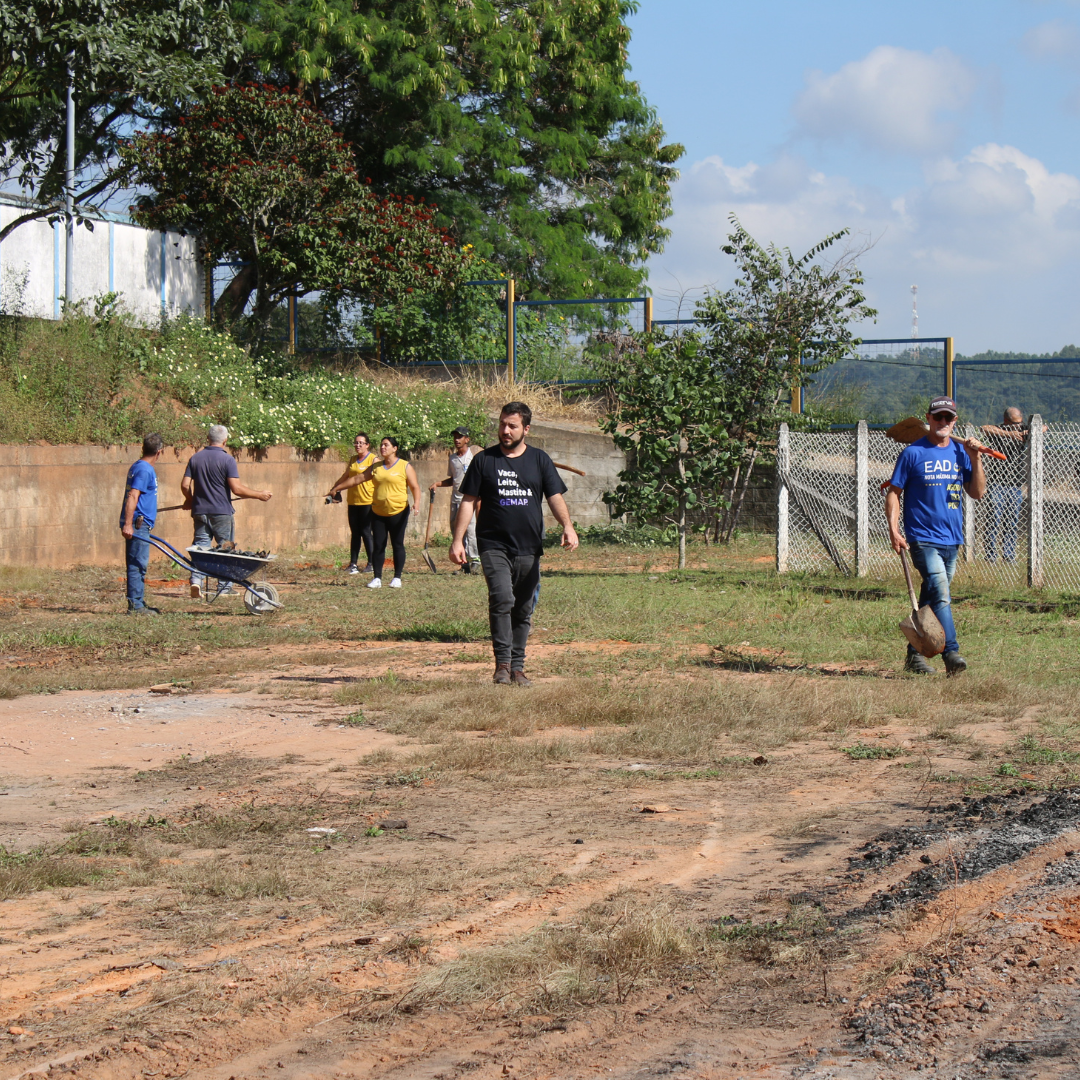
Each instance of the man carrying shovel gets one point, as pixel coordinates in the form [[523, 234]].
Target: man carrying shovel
[[931, 473]]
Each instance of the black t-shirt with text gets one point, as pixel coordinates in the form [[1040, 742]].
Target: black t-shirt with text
[[511, 492]]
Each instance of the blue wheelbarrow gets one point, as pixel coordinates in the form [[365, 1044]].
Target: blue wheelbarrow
[[259, 597]]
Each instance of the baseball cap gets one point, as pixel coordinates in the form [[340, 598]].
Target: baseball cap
[[942, 404], [459, 432]]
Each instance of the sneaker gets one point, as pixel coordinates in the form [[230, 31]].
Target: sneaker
[[375, 583], [954, 663], [502, 675], [144, 610], [196, 592], [395, 583], [916, 664], [225, 588], [367, 569], [518, 678], [352, 569]]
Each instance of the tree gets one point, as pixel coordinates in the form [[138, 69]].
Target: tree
[[266, 181], [126, 58], [518, 117], [670, 419], [694, 411], [781, 312]]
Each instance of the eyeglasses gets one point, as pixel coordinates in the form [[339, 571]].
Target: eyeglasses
[[941, 417]]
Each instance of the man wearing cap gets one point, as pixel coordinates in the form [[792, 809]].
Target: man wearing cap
[[932, 474], [459, 465]]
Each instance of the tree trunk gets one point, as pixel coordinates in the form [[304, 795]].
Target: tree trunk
[[231, 303], [683, 446], [736, 506]]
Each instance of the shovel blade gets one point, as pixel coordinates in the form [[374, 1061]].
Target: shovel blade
[[924, 632], [429, 560]]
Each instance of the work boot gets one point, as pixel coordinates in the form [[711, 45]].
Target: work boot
[[144, 610], [954, 663], [502, 675], [916, 664], [518, 678]]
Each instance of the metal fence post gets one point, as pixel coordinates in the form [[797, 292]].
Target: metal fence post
[[862, 500], [1035, 503], [968, 504], [783, 458], [511, 359]]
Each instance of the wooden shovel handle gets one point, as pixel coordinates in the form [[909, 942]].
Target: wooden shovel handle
[[907, 578], [430, 511], [568, 468]]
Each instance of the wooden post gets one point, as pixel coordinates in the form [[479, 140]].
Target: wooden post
[[783, 460], [949, 385], [862, 500], [1035, 503], [511, 371], [648, 314], [796, 391], [292, 323]]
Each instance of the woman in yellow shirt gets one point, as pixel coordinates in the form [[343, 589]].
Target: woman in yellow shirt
[[359, 504], [393, 478]]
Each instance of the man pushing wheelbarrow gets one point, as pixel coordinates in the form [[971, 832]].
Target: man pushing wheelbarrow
[[932, 473]]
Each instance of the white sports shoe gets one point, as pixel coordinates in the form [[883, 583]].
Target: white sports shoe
[[375, 583], [396, 583]]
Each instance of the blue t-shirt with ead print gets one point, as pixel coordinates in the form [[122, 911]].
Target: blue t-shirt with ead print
[[932, 479]]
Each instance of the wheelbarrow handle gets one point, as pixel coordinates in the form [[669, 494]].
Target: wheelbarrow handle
[[907, 578]]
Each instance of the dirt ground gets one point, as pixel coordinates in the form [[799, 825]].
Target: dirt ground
[[860, 920]]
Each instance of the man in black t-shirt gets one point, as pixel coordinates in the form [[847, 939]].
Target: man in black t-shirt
[[510, 481], [1006, 479]]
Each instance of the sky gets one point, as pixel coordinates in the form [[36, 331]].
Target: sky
[[945, 136]]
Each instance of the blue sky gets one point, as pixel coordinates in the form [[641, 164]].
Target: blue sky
[[946, 134]]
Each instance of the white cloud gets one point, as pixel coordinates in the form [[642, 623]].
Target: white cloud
[[990, 237], [1058, 39], [892, 100]]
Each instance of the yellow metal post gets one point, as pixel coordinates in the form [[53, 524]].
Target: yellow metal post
[[949, 368], [292, 323], [510, 358], [796, 391], [648, 314]]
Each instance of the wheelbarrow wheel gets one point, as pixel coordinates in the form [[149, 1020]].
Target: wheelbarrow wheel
[[265, 592]]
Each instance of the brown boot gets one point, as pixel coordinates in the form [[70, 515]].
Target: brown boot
[[518, 678], [502, 675]]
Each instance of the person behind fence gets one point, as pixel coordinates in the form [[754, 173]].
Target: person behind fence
[[359, 499], [931, 475], [211, 482], [1006, 480], [393, 479], [459, 462], [510, 482], [137, 517]]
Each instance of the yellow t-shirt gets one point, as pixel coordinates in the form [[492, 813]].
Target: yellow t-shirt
[[362, 494], [391, 493]]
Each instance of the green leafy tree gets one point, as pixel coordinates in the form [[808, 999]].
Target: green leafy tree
[[265, 180], [669, 417], [784, 318], [517, 116], [127, 58]]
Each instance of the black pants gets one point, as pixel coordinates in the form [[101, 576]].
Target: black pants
[[360, 528], [512, 582], [394, 528]]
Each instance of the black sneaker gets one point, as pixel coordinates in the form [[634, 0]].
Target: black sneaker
[[144, 610], [916, 664], [954, 663]]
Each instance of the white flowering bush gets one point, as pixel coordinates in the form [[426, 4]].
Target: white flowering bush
[[268, 403]]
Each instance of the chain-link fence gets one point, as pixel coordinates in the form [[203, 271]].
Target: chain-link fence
[[1026, 530]]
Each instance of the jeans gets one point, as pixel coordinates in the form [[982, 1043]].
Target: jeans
[[394, 528], [470, 532], [1006, 502], [360, 530], [513, 582], [137, 556], [209, 527], [936, 565]]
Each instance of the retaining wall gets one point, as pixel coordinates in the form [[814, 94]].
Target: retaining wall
[[60, 505]]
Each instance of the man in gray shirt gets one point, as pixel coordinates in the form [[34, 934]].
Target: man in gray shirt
[[210, 482], [459, 462]]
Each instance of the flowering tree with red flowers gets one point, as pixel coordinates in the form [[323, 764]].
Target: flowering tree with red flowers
[[265, 181]]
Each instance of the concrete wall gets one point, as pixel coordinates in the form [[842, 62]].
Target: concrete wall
[[60, 505], [115, 257]]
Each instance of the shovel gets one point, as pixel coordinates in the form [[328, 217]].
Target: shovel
[[921, 627], [427, 535]]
